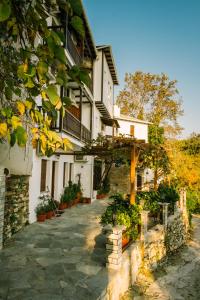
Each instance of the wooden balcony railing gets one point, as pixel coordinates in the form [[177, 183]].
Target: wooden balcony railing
[[74, 127], [71, 47]]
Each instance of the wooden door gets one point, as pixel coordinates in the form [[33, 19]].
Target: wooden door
[[53, 179]]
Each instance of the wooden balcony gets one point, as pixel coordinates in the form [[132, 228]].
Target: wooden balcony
[[76, 54], [73, 126]]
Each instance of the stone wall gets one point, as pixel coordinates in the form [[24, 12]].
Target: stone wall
[[154, 247], [16, 205], [2, 199], [176, 234], [146, 253], [119, 179]]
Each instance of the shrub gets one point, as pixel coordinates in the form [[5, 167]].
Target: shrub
[[120, 212]]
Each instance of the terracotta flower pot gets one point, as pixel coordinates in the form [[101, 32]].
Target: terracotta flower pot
[[49, 214], [62, 206], [41, 218], [125, 241]]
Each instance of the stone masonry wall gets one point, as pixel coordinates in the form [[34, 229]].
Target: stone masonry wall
[[2, 199], [154, 247], [119, 179], [176, 234], [146, 253], [16, 205]]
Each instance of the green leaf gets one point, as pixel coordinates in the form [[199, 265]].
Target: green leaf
[[51, 92], [42, 68], [56, 38], [5, 10], [8, 93], [13, 138], [21, 136], [66, 101], [77, 24], [76, 7], [60, 54]]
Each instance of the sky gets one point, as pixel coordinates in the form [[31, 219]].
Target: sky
[[154, 36]]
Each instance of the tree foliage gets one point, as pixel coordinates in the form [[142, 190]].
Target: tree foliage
[[33, 67], [151, 97], [155, 156], [185, 162]]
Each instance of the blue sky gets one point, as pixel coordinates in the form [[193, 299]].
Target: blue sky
[[154, 36]]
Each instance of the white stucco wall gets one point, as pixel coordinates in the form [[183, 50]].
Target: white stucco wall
[[84, 168], [86, 115], [17, 160], [97, 76], [141, 130], [108, 88]]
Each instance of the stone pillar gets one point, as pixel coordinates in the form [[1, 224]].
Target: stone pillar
[[113, 246], [164, 213], [182, 201], [144, 224], [2, 201]]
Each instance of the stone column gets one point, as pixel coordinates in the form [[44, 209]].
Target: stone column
[[164, 213], [113, 246], [144, 224], [2, 200]]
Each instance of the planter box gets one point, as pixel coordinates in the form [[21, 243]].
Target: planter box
[[86, 200]]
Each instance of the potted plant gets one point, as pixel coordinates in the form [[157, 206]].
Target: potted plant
[[40, 212], [49, 210]]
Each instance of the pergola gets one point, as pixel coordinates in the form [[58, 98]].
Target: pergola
[[106, 147]]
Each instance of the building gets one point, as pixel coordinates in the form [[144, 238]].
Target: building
[[92, 113]]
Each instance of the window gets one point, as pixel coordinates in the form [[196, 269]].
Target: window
[[71, 165], [43, 175], [132, 130], [65, 174]]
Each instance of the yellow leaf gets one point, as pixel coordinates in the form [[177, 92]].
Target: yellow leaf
[[21, 107], [44, 96], [3, 129], [15, 121], [25, 66], [58, 105], [28, 104], [34, 143], [67, 144]]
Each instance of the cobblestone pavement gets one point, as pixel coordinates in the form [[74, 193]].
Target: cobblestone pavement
[[177, 279], [63, 258]]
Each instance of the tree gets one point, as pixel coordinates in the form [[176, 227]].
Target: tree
[[33, 65], [155, 156], [184, 159], [151, 97]]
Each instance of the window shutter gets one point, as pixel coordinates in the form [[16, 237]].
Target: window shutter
[[43, 175], [132, 130]]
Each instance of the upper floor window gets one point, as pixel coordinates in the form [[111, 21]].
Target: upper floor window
[[132, 130]]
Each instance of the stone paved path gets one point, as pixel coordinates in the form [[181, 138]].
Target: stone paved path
[[178, 279], [63, 258]]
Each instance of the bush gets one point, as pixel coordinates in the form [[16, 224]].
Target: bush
[[120, 212], [193, 201], [70, 192]]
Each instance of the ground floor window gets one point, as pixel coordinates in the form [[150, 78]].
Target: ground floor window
[[65, 174], [43, 175]]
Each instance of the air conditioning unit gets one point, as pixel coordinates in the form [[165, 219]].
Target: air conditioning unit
[[80, 158]]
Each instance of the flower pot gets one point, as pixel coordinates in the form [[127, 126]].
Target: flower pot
[[62, 206], [49, 214], [125, 241], [41, 218]]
